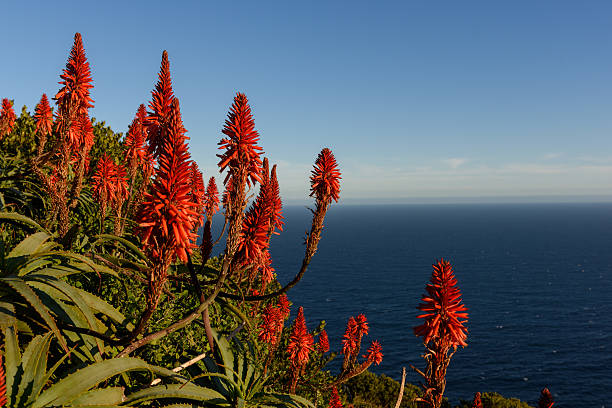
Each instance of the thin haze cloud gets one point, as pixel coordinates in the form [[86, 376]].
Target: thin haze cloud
[[455, 162], [552, 156]]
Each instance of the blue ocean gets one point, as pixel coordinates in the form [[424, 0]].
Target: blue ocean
[[537, 279]]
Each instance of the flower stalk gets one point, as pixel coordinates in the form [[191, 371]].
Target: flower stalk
[[443, 329]]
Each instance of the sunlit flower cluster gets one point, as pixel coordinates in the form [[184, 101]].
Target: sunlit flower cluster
[[334, 400], [161, 106], [109, 183], [7, 117], [325, 178], [444, 312], [167, 216], [241, 150]]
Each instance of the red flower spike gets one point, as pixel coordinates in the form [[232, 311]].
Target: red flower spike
[[444, 312], [161, 106], [375, 354], [284, 306], [241, 150], [350, 338], [198, 191], [81, 134], [167, 216], [3, 398], [141, 115], [269, 198], [362, 326], [264, 263], [148, 166], [120, 185], [211, 200], [325, 178], [300, 342], [44, 116], [7, 117], [136, 138], [323, 341], [546, 399], [73, 98], [334, 400], [254, 236], [276, 202], [271, 323], [477, 402], [103, 186]]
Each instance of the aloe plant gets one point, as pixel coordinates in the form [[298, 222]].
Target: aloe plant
[[27, 376], [34, 292], [234, 374]]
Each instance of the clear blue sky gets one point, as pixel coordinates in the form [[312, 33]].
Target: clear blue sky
[[478, 99]]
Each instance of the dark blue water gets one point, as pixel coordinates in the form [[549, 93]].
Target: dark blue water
[[537, 279]]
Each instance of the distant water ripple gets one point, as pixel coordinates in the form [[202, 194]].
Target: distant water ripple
[[537, 279]]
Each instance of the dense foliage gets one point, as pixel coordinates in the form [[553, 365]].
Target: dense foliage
[[109, 295]]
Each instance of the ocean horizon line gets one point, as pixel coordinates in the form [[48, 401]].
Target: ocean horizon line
[[548, 199]]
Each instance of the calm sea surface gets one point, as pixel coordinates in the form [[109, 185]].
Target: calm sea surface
[[537, 279]]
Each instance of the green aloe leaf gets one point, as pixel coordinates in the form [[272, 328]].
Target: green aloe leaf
[[130, 245], [28, 294], [290, 400], [186, 391], [75, 298], [110, 395], [69, 388], [30, 244], [22, 219], [34, 367], [12, 356], [7, 315], [105, 308]]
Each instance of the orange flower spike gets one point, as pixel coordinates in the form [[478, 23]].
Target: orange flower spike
[[141, 115], [375, 354], [325, 178], [276, 202], [241, 150], [269, 327], [3, 398], [300, 342], [265, 264], [103, 186], [160, 105], [546, 399], [84, 132], [477, 403], [323, 341], [136, 137], [362, 326], [254, 237], [211, 198], [168, 205], [44, 116], [350, 338], [334, 400], [444, 311], [120, 184], [7, 117], [198, 191], [284, 306], [74, 97]]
